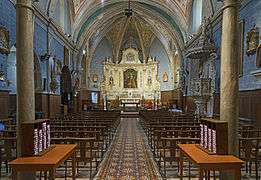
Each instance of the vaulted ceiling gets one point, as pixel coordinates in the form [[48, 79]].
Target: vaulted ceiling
[[166, 19]]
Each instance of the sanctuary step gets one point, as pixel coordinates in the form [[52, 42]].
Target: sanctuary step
[[129, 114]]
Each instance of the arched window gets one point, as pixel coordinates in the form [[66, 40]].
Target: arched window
[[196, 15]]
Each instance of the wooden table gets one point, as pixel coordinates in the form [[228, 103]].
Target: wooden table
[[47, 162], [207, 162]]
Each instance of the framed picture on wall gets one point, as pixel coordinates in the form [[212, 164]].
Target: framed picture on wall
[[4, 41], [241, 46]]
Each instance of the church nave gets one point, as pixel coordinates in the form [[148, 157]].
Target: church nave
[[130, 89]]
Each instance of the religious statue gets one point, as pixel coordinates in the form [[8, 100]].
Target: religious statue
[[111, 81], [252, 40], [165, 77], [95, 78], [130, 78], [2, 73], [149, 80], [77, 84], [4, 41]]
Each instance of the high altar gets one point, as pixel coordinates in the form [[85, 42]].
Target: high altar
[[131, 80]]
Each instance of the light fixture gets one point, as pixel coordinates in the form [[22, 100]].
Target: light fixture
[[128, 12]]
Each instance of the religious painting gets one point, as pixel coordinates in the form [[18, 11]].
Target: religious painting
[[4, 41], [241, 46], [258, 57], [165, 77], [252, 40], [130, 78]]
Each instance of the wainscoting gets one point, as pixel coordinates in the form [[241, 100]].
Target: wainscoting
[[168, 98], [249, 105], [4, 103]]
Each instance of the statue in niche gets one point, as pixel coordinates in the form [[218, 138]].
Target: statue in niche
[[252, 40], [165, 77], [2, 73], [95, 78], [149, 80], [130, 78], [4, 41], [111, 81], [77, 84]]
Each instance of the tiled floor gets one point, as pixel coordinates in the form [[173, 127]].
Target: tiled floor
[[129, 158]]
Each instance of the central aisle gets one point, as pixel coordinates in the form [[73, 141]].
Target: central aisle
[[129, 157]]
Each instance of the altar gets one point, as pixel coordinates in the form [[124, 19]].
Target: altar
[[131, 81], [130, 104]]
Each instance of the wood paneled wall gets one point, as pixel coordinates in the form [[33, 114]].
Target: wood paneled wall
[[168, 98], [49, 104], [249, 105], [12, 103], [54, 105], [189, 104], [4, 104], [86, 99]]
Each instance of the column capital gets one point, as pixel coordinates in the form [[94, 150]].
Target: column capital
[[230, 4], [27, 4]]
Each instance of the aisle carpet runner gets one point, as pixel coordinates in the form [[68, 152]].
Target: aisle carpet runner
[[129, 157]]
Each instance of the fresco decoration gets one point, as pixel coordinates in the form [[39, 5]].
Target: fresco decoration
[[252, 40], [4, 41], [130, 78]]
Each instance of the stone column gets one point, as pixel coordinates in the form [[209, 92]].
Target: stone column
[[229, 73], [25, 66]]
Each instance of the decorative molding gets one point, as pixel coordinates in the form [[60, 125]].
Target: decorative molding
[[257, 74]]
